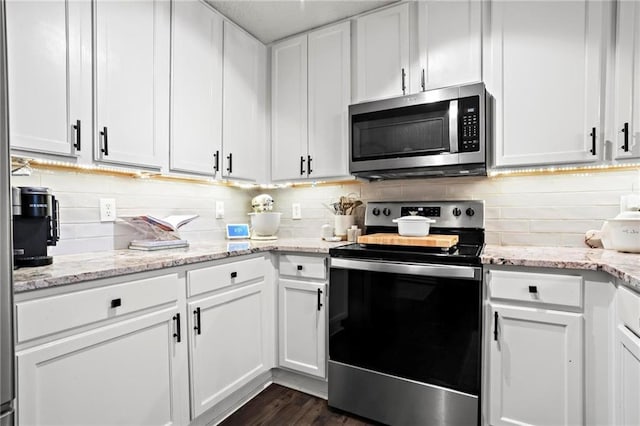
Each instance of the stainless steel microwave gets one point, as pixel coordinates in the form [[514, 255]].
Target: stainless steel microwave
[[441, 132]]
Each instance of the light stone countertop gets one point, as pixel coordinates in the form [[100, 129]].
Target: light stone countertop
[[75, 268], [625, 266]]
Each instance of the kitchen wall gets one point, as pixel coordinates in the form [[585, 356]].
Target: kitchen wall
[[552, 210], [540, 210], [79, 195]]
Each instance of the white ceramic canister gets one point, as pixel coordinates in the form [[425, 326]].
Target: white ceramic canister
[[341, 223]]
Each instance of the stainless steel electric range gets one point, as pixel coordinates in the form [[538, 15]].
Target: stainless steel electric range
[[405, 322]]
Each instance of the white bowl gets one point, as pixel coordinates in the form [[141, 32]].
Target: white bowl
[[622, 235], [265, 224], [413, 226]]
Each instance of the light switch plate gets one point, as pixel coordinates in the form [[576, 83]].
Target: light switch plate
[[107, 210], [219, 209], [296, 212]]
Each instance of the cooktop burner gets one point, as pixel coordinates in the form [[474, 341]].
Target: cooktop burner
[[462, 218]]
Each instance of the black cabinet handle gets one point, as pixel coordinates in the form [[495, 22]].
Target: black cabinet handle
[[309, 164], [234, 275], [625, 130], [78, 128], [197, 319], [593, 140], [176, 318], [216, 165], [495, 326], [116, 302], [319, 297], [299, 267], [302, 172], [105, 142], [533, 289], [230, 158], [423, 82], [404, 87]]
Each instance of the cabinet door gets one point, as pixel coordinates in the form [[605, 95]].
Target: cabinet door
[[329, 98], [626, 122], [132, 81], [627, 381], [535, 367], [132, 372], [289, 109], [448, 55], [228, 345], [196, 101], [302, 325], [545, 59], [382, 53], [244, 103], [49, 76]]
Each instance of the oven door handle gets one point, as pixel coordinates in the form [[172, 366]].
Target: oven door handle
[[426, 270]]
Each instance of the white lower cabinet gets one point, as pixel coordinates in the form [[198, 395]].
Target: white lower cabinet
[[627, 353], [302, 314], [535, 347], [131, 371]]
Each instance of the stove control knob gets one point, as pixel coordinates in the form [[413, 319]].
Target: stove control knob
[[386, 211], [457, 212], [470, 212], [376, 211]]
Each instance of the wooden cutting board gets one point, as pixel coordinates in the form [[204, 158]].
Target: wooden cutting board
[[444, 241]]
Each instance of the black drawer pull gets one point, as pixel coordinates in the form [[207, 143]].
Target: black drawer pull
[[116, 302], [533, 289], [299, 267], [78, 128], [197, 326], [319, 297], [495, 326], [176, 318], [234, 275]]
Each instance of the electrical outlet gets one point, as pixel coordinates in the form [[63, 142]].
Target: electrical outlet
[[219, 209], [296, 212], [107, 209]]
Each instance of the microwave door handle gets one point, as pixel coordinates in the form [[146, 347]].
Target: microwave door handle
[[453, 126]]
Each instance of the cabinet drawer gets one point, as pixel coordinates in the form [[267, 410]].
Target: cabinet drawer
[[221, 276], [552, 289], [629, 309], [37, 318], [303, 266]]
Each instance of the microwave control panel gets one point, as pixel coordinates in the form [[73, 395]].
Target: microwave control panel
[[469, 125]]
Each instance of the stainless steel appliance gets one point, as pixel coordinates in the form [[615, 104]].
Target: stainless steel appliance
[[404, 322], [443, 132], [36, 224], [7, 394]]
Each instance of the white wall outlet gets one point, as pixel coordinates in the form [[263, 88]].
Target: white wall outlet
[[219, 209], [107, 210], [296, 212]]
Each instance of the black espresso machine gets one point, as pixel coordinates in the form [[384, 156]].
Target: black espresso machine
[[36, 224]]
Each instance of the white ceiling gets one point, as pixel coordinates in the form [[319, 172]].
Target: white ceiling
[[270, 20]]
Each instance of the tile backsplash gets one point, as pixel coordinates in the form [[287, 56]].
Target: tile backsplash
[[553, 210]]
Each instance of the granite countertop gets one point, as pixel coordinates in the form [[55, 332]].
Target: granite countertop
[[75, 268], [625, 266]]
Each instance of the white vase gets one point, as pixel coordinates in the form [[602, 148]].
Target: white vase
[[342, 222]]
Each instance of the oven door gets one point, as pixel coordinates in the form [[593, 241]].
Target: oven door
[[419, 322]]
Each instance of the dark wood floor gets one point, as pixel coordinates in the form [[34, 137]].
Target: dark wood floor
[[277, 405]]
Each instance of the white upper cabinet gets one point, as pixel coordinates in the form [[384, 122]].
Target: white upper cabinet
[[625, 129], [311, 86], [329, 88], [289, 109], [132, 81], [49, 72], [382, 54], [450, 53], [244, 106], [545, 71], [196, 95]]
